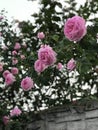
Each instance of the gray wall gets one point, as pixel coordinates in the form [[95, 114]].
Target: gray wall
[[73, 118]]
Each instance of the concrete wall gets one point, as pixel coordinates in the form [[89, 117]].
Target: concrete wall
[[71, 118]]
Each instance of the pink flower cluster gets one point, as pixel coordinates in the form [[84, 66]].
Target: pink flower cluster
[[27, 83], [16, 52], [46, 57], [9, 76], [74, 28], [15, 112]]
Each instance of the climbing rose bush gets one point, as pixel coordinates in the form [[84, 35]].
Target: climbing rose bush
[[47, 63]]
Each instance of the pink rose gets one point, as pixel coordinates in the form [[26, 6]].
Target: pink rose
[[6, 120], [14, 53], [14, 61], [71, 64], [59, 66], [9, 79], [41, 35], [14, 70], [39, 66], [5, 73], [74, 28], [15, 112], [27, 83], [22, 57], [17, 46], [46, 55]]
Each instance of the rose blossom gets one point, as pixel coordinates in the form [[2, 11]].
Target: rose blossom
[[14, 53], [22, 57], [59, 66], [9, 79], [74, 28], [14, 70], [14, 61], [39, 66], [71, 64], [27, 83], [40, 35], [17, 46], [46, 55], [15, 112], [6, 120], [5, 73]]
